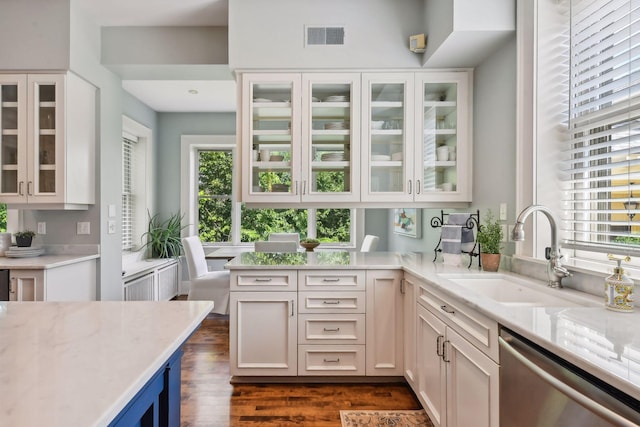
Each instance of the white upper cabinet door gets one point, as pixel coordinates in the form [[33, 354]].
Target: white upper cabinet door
[[443, 151], [271, 137], [13, 137], [331, 137], [387, 114]]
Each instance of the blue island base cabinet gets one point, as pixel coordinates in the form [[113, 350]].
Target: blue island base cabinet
[[157, 404]]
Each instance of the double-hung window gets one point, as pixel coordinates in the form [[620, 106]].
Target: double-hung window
[[128, 191], [602, 162]]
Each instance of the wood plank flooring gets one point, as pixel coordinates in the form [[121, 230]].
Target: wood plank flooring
[[208, 398]]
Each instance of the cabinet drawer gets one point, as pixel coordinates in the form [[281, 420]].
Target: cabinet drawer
[[315, 280], [264, 280], [331, 329], [477, 328], [331, 302], [331, 360]]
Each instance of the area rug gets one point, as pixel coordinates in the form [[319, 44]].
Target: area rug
[[385, 419]]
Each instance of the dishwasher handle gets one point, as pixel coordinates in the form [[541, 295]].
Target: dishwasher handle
[[563, 388]]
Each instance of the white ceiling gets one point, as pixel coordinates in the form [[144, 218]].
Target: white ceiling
[[169, 95]]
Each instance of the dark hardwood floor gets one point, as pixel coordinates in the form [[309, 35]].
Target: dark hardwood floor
[[208, 398]]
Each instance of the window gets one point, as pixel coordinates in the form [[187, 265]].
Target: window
[[603, 158], [220, 219], [137, 178]]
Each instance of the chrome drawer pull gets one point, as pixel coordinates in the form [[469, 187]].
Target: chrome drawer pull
[[331, 329], [332, 360], [331, 280], [439, 345], [331, 302], [263, 280], [446, 309]]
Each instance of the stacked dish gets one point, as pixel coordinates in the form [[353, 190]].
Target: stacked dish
[[336, 126], [27, 252], [336, 98], [380, 157], [332, 157], [261, 100]]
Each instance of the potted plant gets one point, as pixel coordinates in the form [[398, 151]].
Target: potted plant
[[24, 238], [490, 240], [309, 244], [163, 237]]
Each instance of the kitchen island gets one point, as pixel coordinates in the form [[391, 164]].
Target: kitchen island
[[603, 343], [85, 363]]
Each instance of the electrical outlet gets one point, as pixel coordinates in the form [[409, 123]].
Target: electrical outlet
[[503, 211], [111, 227], [83, 228], [42, 228]]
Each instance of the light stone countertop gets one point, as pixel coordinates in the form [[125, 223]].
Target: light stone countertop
[[602, 342], [43, 261], [80, 363]]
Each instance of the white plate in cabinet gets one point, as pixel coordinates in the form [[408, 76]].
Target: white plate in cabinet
[[331, 302], [331, 360], [311, 280], [331, 329], [478, 329], [264, 280]]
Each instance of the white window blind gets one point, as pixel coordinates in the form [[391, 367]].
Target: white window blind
[[128, 192], [602, 163]]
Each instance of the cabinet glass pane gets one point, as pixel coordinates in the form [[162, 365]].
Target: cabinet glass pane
[[387, 165], [330, 138], [271, 138], [439, 144], [9, 137], [46, 177]]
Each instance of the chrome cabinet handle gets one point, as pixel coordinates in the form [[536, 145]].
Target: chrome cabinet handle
[[446, 309], [12, 285], [439, 346], [331, 329], [444, 351], [292, 308], [331, 302], [332, 360], [260, 279], [29, 190], [410, 189], [418, 186], [402, 286], [20, 192], [334, 279]]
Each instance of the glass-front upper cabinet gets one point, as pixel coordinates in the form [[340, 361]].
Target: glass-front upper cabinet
[[387, 156], [330, 137], [443, 160], [47, 127], [13, 134], [271, 137]]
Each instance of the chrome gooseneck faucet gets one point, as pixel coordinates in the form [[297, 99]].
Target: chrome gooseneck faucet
[[555, 270]]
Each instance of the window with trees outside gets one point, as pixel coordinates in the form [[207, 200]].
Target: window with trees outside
[[603, 157], [217, 210]]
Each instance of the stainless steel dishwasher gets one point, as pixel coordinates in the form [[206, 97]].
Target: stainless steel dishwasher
[[539, 389]]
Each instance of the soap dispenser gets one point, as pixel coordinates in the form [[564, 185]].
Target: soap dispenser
[[618, 288]]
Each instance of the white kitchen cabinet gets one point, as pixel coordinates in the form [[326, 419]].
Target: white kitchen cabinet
[[457, 381], [26, 285], [409, 322], [263, 338], [47, 145], [263, 322], [384, 323], [409, 121], [331, 323], [300, 137]]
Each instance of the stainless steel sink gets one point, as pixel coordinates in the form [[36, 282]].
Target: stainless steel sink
[[514, 291]]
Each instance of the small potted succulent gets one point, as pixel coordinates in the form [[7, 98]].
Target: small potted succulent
[[24, 238], [309, 244]]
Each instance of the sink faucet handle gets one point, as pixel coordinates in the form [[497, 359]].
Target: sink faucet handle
[[547, 252], [562, 271]]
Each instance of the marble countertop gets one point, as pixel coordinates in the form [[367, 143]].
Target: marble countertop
[[80, 363], [43, 261], [601, 341]]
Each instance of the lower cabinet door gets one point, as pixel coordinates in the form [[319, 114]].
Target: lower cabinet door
[[432, 374], [263, 334], [26, 285], [472, 385], [331, 360]]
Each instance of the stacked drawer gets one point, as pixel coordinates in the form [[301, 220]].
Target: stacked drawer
[[331, 322]]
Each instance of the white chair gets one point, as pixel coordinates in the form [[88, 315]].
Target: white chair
[[285, 237], [205, 285], [275, 246], [369, 243]]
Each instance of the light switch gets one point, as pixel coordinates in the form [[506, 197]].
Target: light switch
[[42, 228], [111, 227], [503, 211], [111, 211], [83, 228]]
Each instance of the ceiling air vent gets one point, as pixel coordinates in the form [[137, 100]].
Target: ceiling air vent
[[324, 36]]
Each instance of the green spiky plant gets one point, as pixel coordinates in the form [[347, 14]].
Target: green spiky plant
[[163, 237]]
